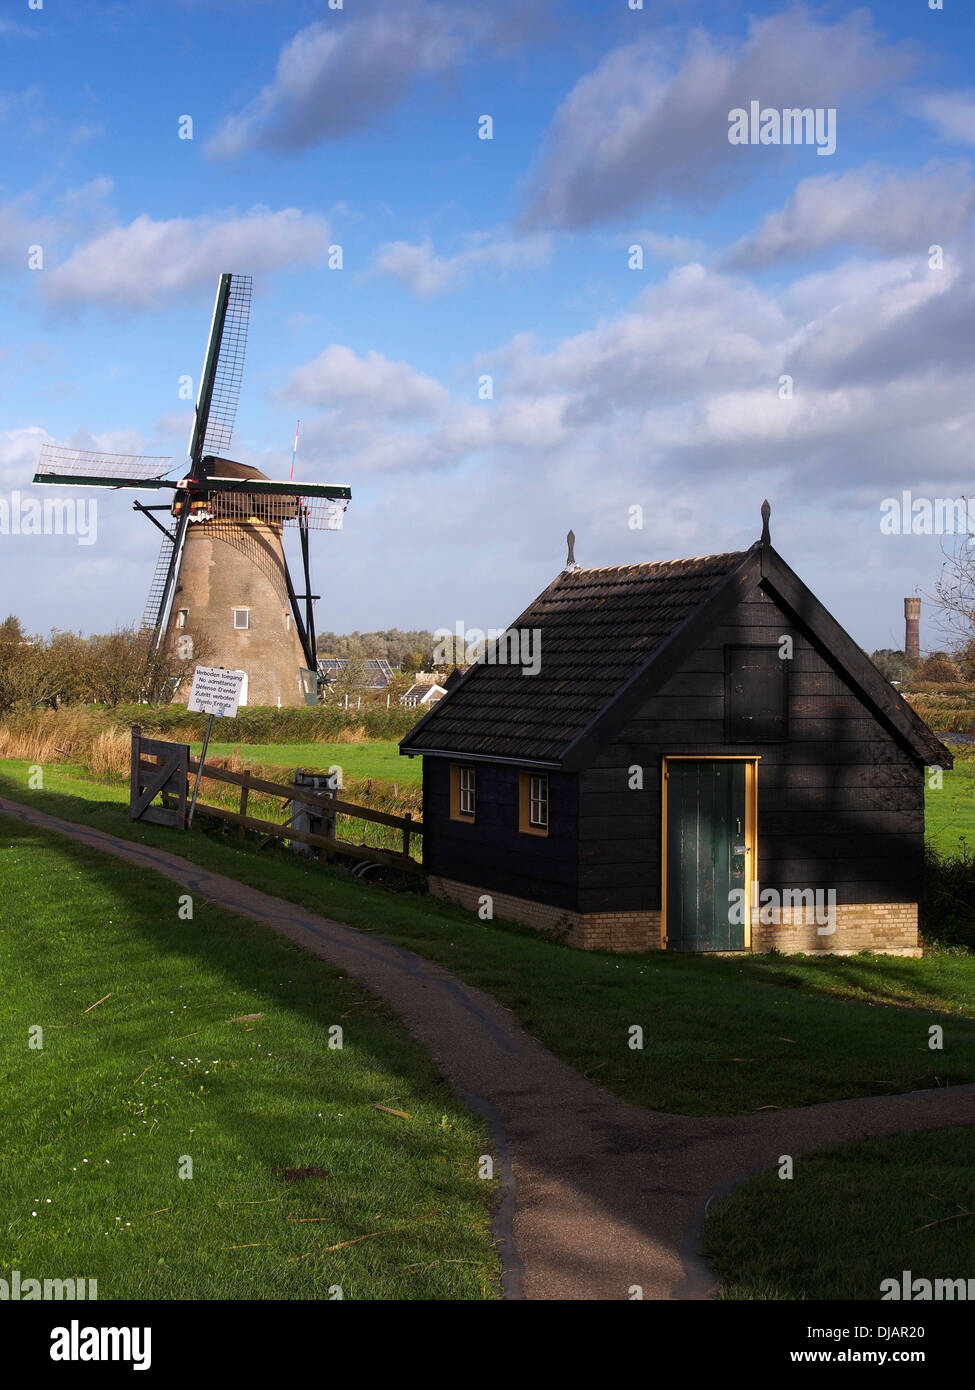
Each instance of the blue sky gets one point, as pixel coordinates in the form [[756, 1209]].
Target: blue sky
[[614, 387]]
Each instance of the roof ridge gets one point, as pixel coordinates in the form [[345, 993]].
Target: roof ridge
[[656, 564]]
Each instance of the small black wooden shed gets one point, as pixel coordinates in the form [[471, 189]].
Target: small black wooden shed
[[704, 761]]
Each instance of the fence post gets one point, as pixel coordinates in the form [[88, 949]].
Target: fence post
[[406, 832], [136, 759], [244, 793]]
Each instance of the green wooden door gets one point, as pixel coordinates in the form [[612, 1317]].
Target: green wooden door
[[705, 855]]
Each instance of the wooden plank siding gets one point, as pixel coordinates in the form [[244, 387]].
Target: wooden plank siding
[[840, 803], [491, 852]]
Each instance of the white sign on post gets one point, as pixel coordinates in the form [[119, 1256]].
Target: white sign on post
[[215, 691]]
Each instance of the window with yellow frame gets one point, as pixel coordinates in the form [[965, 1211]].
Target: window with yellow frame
[[533, 803], [463, 791]]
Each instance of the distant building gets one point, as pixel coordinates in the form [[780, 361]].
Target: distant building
[[377, 675], [423, 694]]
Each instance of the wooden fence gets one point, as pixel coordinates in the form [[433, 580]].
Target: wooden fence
[[168, 777], [158, 769]]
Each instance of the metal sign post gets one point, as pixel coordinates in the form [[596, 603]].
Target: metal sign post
[[216, 692], [199, 772]]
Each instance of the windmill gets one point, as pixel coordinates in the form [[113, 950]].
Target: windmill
[[222, 574]]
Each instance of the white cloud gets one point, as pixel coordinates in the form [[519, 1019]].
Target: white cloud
[[684, 384], [90, 200], [21, 226], [78, 212], [343, 73], [174, 422], [683, 334], [337, 379], [640, 127], [908, 329], [19, 450], [146, 261], [10, 28], [669, 248], [952, 114], [884, 209], [425, 273]]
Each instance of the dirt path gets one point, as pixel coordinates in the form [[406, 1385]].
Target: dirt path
[[598, 1196]]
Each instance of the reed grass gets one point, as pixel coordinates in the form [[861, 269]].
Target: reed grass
[[94, 740]]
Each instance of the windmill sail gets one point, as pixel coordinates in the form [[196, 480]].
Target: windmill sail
[[94, 468], [216, 410], [223, 370], [157, 588]]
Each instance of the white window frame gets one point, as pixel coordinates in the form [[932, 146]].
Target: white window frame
[[538, 801], [244, 626], [466, 789]]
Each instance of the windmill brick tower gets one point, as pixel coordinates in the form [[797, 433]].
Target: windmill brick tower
[[222, 583], [231, 602]]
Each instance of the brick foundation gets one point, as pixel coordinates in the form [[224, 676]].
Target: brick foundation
[[890, 928], [590, 931], [887, 928]]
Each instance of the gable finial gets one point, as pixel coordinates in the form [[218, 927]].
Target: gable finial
[[766, 513], [570, 559]]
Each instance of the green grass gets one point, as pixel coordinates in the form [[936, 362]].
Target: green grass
[[96, 1123], [949, 812], [721, 1035], [378, 760], [848, 1219]]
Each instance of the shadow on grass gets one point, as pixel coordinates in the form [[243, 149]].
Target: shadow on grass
[[251, 961], [725, 1035]]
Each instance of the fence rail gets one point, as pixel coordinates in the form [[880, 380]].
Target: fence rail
[[169, 776]]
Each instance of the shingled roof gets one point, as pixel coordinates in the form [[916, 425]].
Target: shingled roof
[[597, 629]]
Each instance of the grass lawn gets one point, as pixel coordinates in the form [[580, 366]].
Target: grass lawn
[[848, 1219], [379, 760], [949, 813], [722, 1035], [165, 1038]]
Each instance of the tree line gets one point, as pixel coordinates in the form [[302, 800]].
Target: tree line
[[409, 651], [124, 666], [937, 668], [114, 668]]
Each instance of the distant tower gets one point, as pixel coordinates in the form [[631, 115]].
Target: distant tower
[[912, 639]]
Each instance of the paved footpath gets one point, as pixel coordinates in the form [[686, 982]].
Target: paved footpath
[[598, 1195]]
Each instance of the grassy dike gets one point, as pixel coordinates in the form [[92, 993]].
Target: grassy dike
[[721, 1035], [167, 1040]]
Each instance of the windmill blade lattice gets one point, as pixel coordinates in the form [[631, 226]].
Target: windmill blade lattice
[[57, 460], [229, 369], [157, 588]]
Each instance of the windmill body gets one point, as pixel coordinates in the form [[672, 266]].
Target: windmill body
[[231, 604], [222, 587]]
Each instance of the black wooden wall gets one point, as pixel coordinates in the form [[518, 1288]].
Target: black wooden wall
[[841, 804], [492, 853]]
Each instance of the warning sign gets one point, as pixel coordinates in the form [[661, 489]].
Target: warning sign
[[215, 691]]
